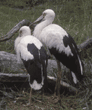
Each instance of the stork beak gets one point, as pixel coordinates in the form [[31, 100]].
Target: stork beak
[[38, 19]]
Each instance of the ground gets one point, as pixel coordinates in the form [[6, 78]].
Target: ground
[[48, 103], [16, 99]]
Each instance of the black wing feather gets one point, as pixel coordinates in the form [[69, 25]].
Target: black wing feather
[[71, 61]]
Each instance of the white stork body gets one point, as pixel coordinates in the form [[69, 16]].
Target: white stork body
[[30, 50], [59, 43], [53, 37]]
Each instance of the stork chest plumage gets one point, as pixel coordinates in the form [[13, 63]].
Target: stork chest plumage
[[29, 40], [52, 36], [23, 46]]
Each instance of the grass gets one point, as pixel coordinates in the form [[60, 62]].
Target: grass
[[75, 16], [68, 102], [48, 103]]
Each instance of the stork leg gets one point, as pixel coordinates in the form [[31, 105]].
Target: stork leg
[[30, 96], [57, 87], [30, 99], [42, 93]]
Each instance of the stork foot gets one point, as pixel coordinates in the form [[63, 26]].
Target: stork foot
[[56, 99]]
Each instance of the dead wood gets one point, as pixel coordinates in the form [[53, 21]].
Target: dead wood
[[16, 72], [8, 62], [10, 77], [14, 30], [64, 84], [85, 45]]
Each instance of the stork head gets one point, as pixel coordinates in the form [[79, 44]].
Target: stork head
[[24, 31], [48, 15]]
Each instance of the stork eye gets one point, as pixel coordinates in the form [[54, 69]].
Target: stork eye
[[20, 32], [44, 14]]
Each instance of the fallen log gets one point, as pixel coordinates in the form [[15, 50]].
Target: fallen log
[[9, 61], [9, 64], [9, 77]]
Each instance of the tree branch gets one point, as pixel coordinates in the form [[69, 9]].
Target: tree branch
[[14, 30], [64, 84], [85, 45]]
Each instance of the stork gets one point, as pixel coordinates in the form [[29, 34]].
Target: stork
[[31, 51], [60, 44]]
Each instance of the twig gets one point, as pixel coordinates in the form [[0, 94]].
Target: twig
[[64, 84]]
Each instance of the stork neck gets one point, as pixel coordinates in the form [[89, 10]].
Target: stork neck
[[38, 29], [23, 34]]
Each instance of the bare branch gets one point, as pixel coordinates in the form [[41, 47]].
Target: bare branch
[[64, 84], [14, 30], [85, 45]]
